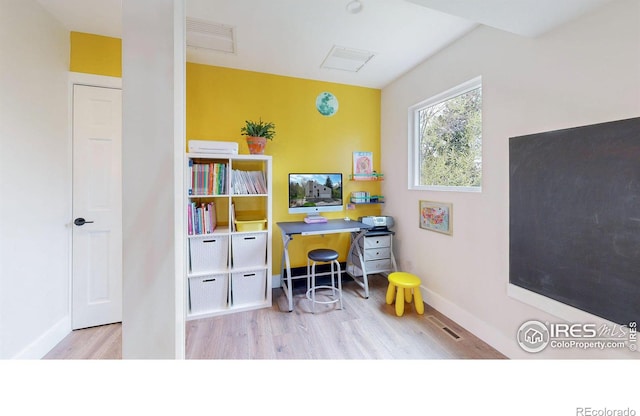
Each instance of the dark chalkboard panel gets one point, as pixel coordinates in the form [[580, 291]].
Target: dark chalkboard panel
[[575, 217]]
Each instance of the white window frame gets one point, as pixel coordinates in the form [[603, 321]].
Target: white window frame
[[414, 138]]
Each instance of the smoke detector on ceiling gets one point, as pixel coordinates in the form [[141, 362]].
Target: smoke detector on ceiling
[[346, 59], [211, 36]]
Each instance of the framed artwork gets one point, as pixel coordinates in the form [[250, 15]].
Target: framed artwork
[[436, 216], [362, 163]]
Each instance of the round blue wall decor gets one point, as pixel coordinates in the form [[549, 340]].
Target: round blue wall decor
[[327, 104]]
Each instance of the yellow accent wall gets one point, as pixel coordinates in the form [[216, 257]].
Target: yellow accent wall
[[219, 100], [93, 54]]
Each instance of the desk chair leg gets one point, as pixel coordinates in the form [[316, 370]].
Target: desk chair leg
[[333, 280], [339, 281], [313, 285], [308, 275]]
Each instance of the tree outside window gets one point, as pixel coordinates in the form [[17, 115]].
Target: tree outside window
[[447, 145]]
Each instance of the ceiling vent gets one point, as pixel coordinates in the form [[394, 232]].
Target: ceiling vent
[[346, 59], [212, 36]]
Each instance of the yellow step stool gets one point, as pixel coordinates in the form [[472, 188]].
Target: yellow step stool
[[408, 286]]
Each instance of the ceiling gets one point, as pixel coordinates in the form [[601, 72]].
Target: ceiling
[[293, 37]]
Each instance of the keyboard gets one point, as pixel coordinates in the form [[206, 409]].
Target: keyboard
[[314, 219]]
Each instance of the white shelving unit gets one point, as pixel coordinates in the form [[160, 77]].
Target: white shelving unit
[[228, 255]]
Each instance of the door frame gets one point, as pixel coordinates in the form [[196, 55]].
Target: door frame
[[91, 80]]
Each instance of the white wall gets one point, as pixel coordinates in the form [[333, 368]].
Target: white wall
[[583, 73], [35, 191], [153, 81]]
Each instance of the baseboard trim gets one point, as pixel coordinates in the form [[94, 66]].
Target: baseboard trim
[[45, 343], [471, 323]]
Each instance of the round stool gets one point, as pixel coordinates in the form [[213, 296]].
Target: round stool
[[408, 286], [323, 255]]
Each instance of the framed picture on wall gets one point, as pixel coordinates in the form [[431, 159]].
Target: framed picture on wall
[[362, 163], [436, 216]]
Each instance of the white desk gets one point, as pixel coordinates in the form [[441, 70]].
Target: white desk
[[289, 229]]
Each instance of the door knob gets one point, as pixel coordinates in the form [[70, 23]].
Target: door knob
[[81, 221]]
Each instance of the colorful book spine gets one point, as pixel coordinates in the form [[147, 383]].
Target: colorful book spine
[[207, 178]]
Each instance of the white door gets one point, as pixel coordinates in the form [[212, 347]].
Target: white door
[[97, 206]]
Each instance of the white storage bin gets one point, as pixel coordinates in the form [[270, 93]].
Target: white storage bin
[[249, 250], [208, 293], [208, 253], [248, 287]]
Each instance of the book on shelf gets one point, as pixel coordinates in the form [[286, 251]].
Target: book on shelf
[[207, 178], [210, 178], [248, 182], [233, 218], [363, 197], [201, 218]]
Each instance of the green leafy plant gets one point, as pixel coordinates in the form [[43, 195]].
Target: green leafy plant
[[259, 129]]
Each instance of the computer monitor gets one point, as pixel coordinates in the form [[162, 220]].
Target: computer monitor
[[314, 193]]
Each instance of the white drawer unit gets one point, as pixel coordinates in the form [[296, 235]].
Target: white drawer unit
[[370, 253], [377, 253], [374, 254]]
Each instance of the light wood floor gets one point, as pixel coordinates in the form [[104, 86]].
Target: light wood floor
[[364, 329]]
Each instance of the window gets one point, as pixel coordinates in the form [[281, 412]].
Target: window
[[446, 140]]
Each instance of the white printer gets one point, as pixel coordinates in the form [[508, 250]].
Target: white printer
[[213, 147], [377, 222]]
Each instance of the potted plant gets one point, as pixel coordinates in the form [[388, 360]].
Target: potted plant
[[258, 132]]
